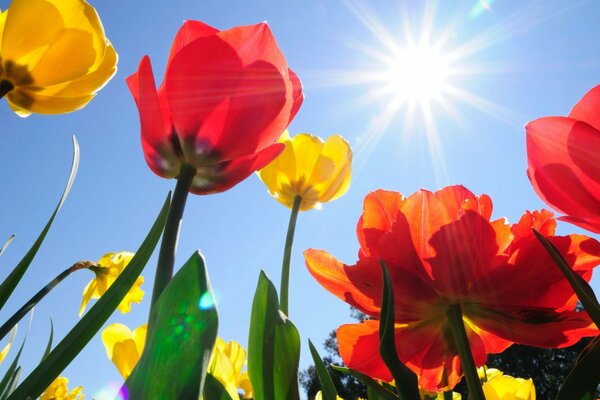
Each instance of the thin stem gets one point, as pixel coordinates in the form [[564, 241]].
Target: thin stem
[[5, 87], [168, 246], [461, 341], [448, 395], [21, 312], [287, 256]]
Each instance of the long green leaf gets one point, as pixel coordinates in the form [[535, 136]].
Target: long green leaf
[[92, 321], [214, 389], [584, 378], [12, 368], [50, 339], [584, 291], [5, 245], [273, 347], [11, 281], [179, 344], [371, 384], [327, 386], [13, 382], [404, 379]]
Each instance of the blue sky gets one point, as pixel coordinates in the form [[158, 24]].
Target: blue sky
[[522, 61]]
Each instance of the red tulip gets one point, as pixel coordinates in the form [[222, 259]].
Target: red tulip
[[442, 249], [564, 161], [226, 98]]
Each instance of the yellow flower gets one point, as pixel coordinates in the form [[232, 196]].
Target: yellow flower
[[226, 363], [53, 55], [316, 171], [107, 270], [505, 387], [485, 373], [124, 347], [58, 390]]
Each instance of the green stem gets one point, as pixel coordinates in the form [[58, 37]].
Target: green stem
[[461, 341], [287, 256], [5, 87], [21, 312], [448, 395], [168, 246]]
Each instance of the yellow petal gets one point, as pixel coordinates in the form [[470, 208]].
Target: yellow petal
[[58, 390], [332, 173], [36, 29], [280, 175], [307, 149], [222, 369], [89, 292], [135, 295], [246, 386], [124, 347], [505, 387]]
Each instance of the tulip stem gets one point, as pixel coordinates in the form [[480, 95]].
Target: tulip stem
[[21, 312], [287, 256], [168, 246], [461, 341], [5, 87]]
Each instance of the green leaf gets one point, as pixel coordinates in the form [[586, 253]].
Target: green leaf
[[5, 245], [582, 381], [5, 383], [404, 379], [179, 344], [327, 386], [214, 389], [50, 339], [273, 347], [58, 359], [584, 291], [11, 281], [371, 384], [12, 382]]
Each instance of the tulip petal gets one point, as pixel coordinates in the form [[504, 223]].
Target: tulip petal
[[257, 105], [155, 123], [201, 75], [331, 174], [358, 344], [297, 95], [380, 210], [586, 109], [563, 165], [254, 43], [360, 287], [112, 334], [189, 31]]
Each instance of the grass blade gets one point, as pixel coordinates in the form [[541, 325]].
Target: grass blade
[[11, 281]]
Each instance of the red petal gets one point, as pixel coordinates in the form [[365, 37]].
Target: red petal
[[155, 126], [359, 286], [359, 348], [297, 95], [380, 210], [465, 251], [189, 31], [255, 43], [588, 108], [590, 224], [454, 198], [257, 113], [538, 326], [564, 167], [201, 75]]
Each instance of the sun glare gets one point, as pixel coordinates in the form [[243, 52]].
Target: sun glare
[[416, 74]]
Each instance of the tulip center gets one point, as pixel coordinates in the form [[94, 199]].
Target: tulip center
[[5, 87]]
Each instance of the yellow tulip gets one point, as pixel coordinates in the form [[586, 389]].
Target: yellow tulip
[[54, 56], [58, 390], [124, 347], [226, 363], [107, 270], [425, 395], [505, 387], [316, 171]]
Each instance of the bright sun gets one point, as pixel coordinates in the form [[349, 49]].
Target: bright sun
[[416, 74]]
